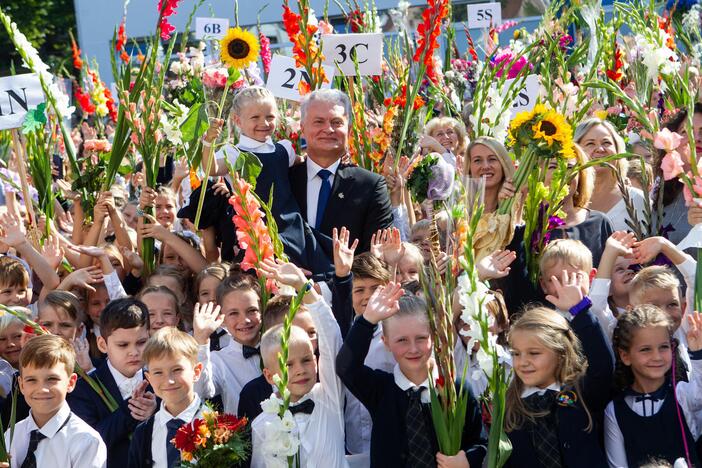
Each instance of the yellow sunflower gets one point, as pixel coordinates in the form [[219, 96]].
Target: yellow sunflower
[[239, 48], [553, 128]]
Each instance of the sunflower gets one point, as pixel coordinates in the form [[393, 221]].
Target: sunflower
[[553, 128], [520, 120], [239, 48]]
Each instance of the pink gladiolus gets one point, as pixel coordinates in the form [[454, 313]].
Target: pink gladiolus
[[265, 52], [697, 187], [251, 231], [667, 140], [102, 146], [503, 58], [672, 165]]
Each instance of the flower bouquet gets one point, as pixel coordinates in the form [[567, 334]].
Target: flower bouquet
[[214, 441]]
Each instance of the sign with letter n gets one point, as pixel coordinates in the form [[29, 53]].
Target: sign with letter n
[[18, 94]]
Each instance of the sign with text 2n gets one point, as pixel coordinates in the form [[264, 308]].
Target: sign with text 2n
[[482, 15], [211, 28], [18, 94], [346, 49], [285, 76], [526, 97]]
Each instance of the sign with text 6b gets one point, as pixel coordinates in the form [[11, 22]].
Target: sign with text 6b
[[18, 94], [482, 15], [211, 28], [284, 77], [345, 50]]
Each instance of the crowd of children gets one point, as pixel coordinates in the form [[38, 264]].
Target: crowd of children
[[606, 355]]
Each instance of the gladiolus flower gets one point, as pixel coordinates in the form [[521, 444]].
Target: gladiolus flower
[[265, 52], [167, 10], [696, 186], [77, 61], [429, 30], [615, 73], [84, 101], [102, 146], [121, 42], [667, 140], [672, 165]]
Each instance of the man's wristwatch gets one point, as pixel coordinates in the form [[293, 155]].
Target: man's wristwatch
[[584, 304]]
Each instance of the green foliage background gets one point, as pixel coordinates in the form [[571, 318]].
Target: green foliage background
[[46, 24]]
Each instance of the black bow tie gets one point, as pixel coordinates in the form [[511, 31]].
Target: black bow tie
[[541, 402], [305, 407], [250, 351], [658, 395]]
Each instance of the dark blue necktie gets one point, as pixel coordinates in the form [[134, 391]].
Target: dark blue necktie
[[250, 351], [172, 453], [30, 461], [324, 194]]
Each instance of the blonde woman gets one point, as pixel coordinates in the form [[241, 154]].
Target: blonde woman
[[446, 136], [600, 139], [488, 158]]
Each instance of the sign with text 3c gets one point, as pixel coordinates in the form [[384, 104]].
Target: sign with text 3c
[[211, 28], [18, 94], [482, 15], [285, 76], [347, 49]]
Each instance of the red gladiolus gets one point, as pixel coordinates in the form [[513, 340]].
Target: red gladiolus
[[111, 108], [84, 101], [265, 52], [615, 73], [429, 30], [166, 10], [77, 61], [291, 22], [121, 42], [355, 20], [440, 381]]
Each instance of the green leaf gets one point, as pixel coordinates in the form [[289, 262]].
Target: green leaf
[[195, 124], [248, 166], [35, 119]]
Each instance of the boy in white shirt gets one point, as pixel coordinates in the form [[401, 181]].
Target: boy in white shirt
[[52, 436], [317, 407]]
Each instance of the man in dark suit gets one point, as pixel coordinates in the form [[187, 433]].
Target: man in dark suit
[[332, 194]]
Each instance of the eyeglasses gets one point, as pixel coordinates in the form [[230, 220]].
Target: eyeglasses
[[444, 133]]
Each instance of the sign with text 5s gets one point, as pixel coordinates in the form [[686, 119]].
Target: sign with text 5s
[[482, 15], [211, 28], [284, 77], [18, 94], [346, 49], [526, 98]]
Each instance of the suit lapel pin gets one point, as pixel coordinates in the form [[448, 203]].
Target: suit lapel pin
[[341, 195]]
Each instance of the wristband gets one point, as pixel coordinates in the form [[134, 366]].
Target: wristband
[[139, 212], [206, 144], [584, 304]]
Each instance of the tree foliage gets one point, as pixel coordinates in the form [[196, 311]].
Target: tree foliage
[[46, 24]]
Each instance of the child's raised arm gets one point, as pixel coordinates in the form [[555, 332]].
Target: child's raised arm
[[341, 283], [208, 140], [619, 244], [206, 319]]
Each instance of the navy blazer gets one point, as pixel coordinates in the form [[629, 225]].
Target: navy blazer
[[387, 404], [140, 446], [114, 428], [342, 302], [359, 201], [579, 449], [251, 396]]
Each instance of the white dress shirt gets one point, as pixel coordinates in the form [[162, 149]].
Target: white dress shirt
[[231, 153], [314, 184], [321, 433], [73, 444], [125, 384], [405, 384], [688, 394], [359, 424], [225, 372], [159, 454], [528, 391]]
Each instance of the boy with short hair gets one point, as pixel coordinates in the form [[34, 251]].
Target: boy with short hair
[[170, 357], [317, 407], [51, 435], [124, 332], [403, 434], [15, 289]]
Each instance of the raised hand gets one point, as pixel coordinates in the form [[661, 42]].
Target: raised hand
[[383, 303], [206, 319], [442, 263], [343, 253], [622, 242], [646, 250], [214, 130], [132, 258], [220, 188], [391, 246], [496, 265], [83, 278], [142, 404], [12, 232], [52, 251], [82, 348], [181, 170], [89, 250], [569, 290], [152, 228], [431, 144], [507, 191], [376, 247], [284, 273], [694, 332], [147, 198]]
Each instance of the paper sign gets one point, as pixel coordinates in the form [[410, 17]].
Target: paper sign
[[482, 15], [211, 28], [526, 97], [344, 49], [18, 94], [285, 76]]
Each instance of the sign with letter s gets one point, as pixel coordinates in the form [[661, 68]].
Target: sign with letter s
[[18, 94], [526, 97], [345, 50], [284, 77], [482, 15], [211, 28]]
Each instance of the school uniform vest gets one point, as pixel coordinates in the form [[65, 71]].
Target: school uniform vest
[[297, 237], [655, 436]]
